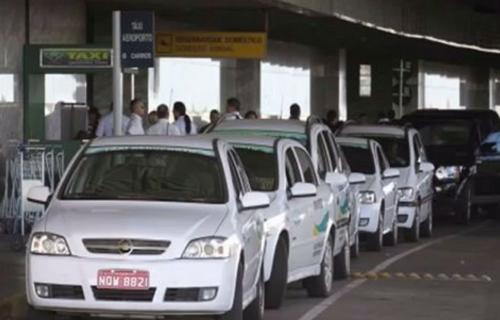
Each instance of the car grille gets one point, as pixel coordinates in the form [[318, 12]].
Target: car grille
[[67, 292], [124, 295], [126, 246], [184, 294]]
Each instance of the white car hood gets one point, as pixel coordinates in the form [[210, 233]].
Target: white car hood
[[369, 184], [404, 176], [175, 222]]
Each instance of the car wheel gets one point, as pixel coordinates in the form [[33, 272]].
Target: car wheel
[[413, 234], [255, 311], [355, 247], [320, 286], [342, 263], [236, 312], [426, 231], [276, 286], [375, 240], [392, 237]]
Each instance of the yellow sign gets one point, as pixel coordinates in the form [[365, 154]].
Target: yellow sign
[[250, 45]]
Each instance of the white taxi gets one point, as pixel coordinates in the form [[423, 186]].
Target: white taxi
[[327, 159], [405, 151], [302, 238], [378, 196], [148, 227]]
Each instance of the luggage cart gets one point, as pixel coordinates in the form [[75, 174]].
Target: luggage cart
[[28, 165]]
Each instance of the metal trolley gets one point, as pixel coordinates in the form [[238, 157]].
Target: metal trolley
[[27, 166]]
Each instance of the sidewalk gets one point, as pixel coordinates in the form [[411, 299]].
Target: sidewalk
[[11, 270]]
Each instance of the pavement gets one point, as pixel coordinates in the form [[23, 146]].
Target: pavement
[[454, 275]]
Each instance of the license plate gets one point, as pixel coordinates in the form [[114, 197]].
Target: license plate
[[123, 279]]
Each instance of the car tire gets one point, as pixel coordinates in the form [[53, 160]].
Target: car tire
[[376, 240], [427, 226], [236, 312], [392, 238], [255, 310], [320, 286], [355, 247], [276, 286], [342, 265], [413, 234]]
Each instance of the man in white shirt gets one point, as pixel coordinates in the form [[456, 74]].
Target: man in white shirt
[[163, 127], [233, 107], [105, 126], [135, 125]]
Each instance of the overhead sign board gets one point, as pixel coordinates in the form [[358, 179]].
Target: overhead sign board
[[75, 58], [242, 45], [137, 39]]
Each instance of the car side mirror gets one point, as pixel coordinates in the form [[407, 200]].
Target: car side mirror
[[426, 167], [391, 173], [39, 195], [302, 190], [255, 200], [357, 178], [336, 179]]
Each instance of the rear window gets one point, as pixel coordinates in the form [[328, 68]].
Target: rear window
[[260, 166], [359, 157]]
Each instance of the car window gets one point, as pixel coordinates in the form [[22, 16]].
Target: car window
[[260, 166], [292, 168], [381, 160], [242, 176], [324, 161], [146, 174], [359, 157], [306, 166], [332, 149]]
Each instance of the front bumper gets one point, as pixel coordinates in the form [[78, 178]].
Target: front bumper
[[368, 217], [406, 214], [178, 274]]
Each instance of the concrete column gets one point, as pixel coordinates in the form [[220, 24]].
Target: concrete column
[[324, 84], [241, 79]]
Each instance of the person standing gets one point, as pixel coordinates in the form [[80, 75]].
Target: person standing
[[332, 120], [294, 112], [214, 117], [106, 124], [135, 126], [163, 127], [252, 115], [182, 120], [233, 107]]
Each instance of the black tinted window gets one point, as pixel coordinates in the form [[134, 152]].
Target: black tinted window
[[359, 158], [292, 169], [397, 150], [323, 157], [260, 167]]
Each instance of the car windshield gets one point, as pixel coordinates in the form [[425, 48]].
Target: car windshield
[[396, 149], [146, 174], [359, 158], [445, 133], [260, 166]]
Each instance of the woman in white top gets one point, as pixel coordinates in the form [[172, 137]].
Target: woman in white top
[[163, 127], [183, 121]]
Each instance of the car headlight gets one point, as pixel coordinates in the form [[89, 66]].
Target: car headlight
[[406, 194], [448, 173], [208, 248], [49, 244], [367, 197]]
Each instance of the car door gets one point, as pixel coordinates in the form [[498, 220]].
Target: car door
[[249, 221], [344, 203], [424, 179], [388, 188], [299, 209]]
